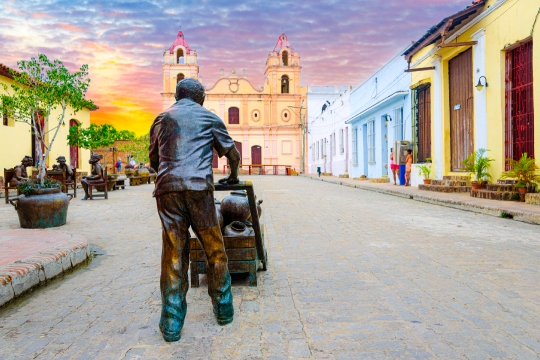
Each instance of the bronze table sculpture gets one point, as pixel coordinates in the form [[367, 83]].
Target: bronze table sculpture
[[19, 171], [65, 168], [96, 174], [181, 143]]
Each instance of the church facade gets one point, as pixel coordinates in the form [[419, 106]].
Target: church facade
[[267, 124]]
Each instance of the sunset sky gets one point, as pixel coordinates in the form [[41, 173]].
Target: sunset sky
[[341, 42]]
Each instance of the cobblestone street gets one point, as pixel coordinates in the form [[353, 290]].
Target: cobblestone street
[[352, 274]]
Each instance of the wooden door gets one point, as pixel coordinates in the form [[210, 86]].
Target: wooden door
[[461, 108], [73, 150], [215, 160], [422, 103], [256, 155]]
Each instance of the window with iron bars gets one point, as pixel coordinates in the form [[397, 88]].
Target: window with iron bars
[[341, 147], [355, 146], [371, 141], [398, 123]]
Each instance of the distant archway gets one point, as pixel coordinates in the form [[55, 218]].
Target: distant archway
[[73, 150], [180, 56], [284, 84], [180, 77], [285, 58]]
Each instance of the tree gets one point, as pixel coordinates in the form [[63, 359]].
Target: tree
[[94, 137], [138, 147], [42, 86]]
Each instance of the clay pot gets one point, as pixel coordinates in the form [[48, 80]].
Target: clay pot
[[259, 210], [477, 185], [427, 181], [43, 208], [218, 213], [235, 207], [522, 192], [237, 228]]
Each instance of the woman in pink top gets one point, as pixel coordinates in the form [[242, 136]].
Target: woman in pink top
[[393, 166], [408, 167]]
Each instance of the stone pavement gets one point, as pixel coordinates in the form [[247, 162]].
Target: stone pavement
[[32, 257], [519, 211], [352, 275]]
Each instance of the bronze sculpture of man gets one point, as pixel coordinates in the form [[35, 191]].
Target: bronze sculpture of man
[[64, 167], [96, 174], [19, 172], [181, 143]]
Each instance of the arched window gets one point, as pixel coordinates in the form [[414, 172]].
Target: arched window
[[234, 115], [285, 58], [179, 77], [180, 56], [284, 84]]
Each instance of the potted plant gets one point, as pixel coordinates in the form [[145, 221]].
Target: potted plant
[[526, 172], [425, 171], [43, 94], [478, 165]]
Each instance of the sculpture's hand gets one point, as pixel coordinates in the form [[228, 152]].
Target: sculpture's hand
[[229, 181]]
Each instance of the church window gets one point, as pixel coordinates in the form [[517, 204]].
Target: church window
[[180, 77], [284, 84], [180, 56], [285, 58], [234, 115]]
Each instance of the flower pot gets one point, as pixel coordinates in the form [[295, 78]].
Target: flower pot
[[43, 208], [522, 191], [476, 185], [129, 172], [427, 181]]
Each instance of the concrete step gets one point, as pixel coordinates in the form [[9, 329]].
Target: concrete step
[[450, 183], [506, 182], [457, 177], [495, 195], [445, 189], [380, 180], [500, 187]]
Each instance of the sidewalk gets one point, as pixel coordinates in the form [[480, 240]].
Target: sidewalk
[[31, 257], [463, 201]]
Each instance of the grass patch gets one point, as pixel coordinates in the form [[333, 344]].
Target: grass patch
[[505, 215]]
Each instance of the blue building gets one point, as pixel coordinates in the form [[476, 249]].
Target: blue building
[[380, 114]]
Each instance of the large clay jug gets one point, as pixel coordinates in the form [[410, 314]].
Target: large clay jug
[[235, 207], [237, 228]]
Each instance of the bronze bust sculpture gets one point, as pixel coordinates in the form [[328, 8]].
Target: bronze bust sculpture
[[19, 171], [181, 143], [64, 167], [96, 174]]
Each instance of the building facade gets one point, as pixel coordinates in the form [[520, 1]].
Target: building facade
[[453, 116], [328, 133], [16, 139], [267, 124], [380, 114]]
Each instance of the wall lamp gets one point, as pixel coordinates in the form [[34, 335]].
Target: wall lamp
[[479, 86]]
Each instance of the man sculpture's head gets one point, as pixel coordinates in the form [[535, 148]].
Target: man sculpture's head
[[27, 161], [94, 158], [190, 89], [61, 160]]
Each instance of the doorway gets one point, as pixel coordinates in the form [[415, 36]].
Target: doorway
[[460, 73], [256, 155]]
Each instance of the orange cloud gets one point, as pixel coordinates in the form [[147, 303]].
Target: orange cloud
[[41, 15], [71, 28]]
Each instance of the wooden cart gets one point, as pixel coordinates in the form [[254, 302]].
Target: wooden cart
[[245, 253]]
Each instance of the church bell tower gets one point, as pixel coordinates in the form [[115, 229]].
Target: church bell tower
[[283, 68], [179, 62]]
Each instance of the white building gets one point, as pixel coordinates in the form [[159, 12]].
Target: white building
[[328, 135], [380, 114]]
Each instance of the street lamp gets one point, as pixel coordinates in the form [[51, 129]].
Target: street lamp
[[479, 86]]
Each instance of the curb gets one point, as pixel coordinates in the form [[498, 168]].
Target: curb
[[496, 211], [22, 275]]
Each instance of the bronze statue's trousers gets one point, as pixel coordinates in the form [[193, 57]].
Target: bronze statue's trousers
[[179, 210]]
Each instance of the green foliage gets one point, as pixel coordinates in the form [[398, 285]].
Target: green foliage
[[93, 137], [478, 165], [26, 187], [424, 170], [138, 148], [524, 170], [42, 86], [126, 135]]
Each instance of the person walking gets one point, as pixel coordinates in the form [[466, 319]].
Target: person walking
[[408, 167], [182, 139], [393, 166], [119, 165]]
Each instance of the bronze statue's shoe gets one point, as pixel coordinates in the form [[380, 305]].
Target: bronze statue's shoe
[[170, 329], [224, 313], [86, 198]]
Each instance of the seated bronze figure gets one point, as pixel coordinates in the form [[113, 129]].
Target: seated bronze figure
[[64, 167], [96, 174], [182, 139], [20, 174]]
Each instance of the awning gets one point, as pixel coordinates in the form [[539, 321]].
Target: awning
[[377, 105]]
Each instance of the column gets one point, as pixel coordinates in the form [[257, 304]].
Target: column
[[274, 146], [480, 110], [437, 119], [246, 150], [267, 150]]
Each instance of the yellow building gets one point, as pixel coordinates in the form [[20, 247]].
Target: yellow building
[[489, 43], [16, 139], [265, 123]]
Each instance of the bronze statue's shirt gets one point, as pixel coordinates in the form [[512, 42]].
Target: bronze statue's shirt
[[181, 143]]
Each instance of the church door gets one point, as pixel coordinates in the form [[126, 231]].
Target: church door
[[256, 155]]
